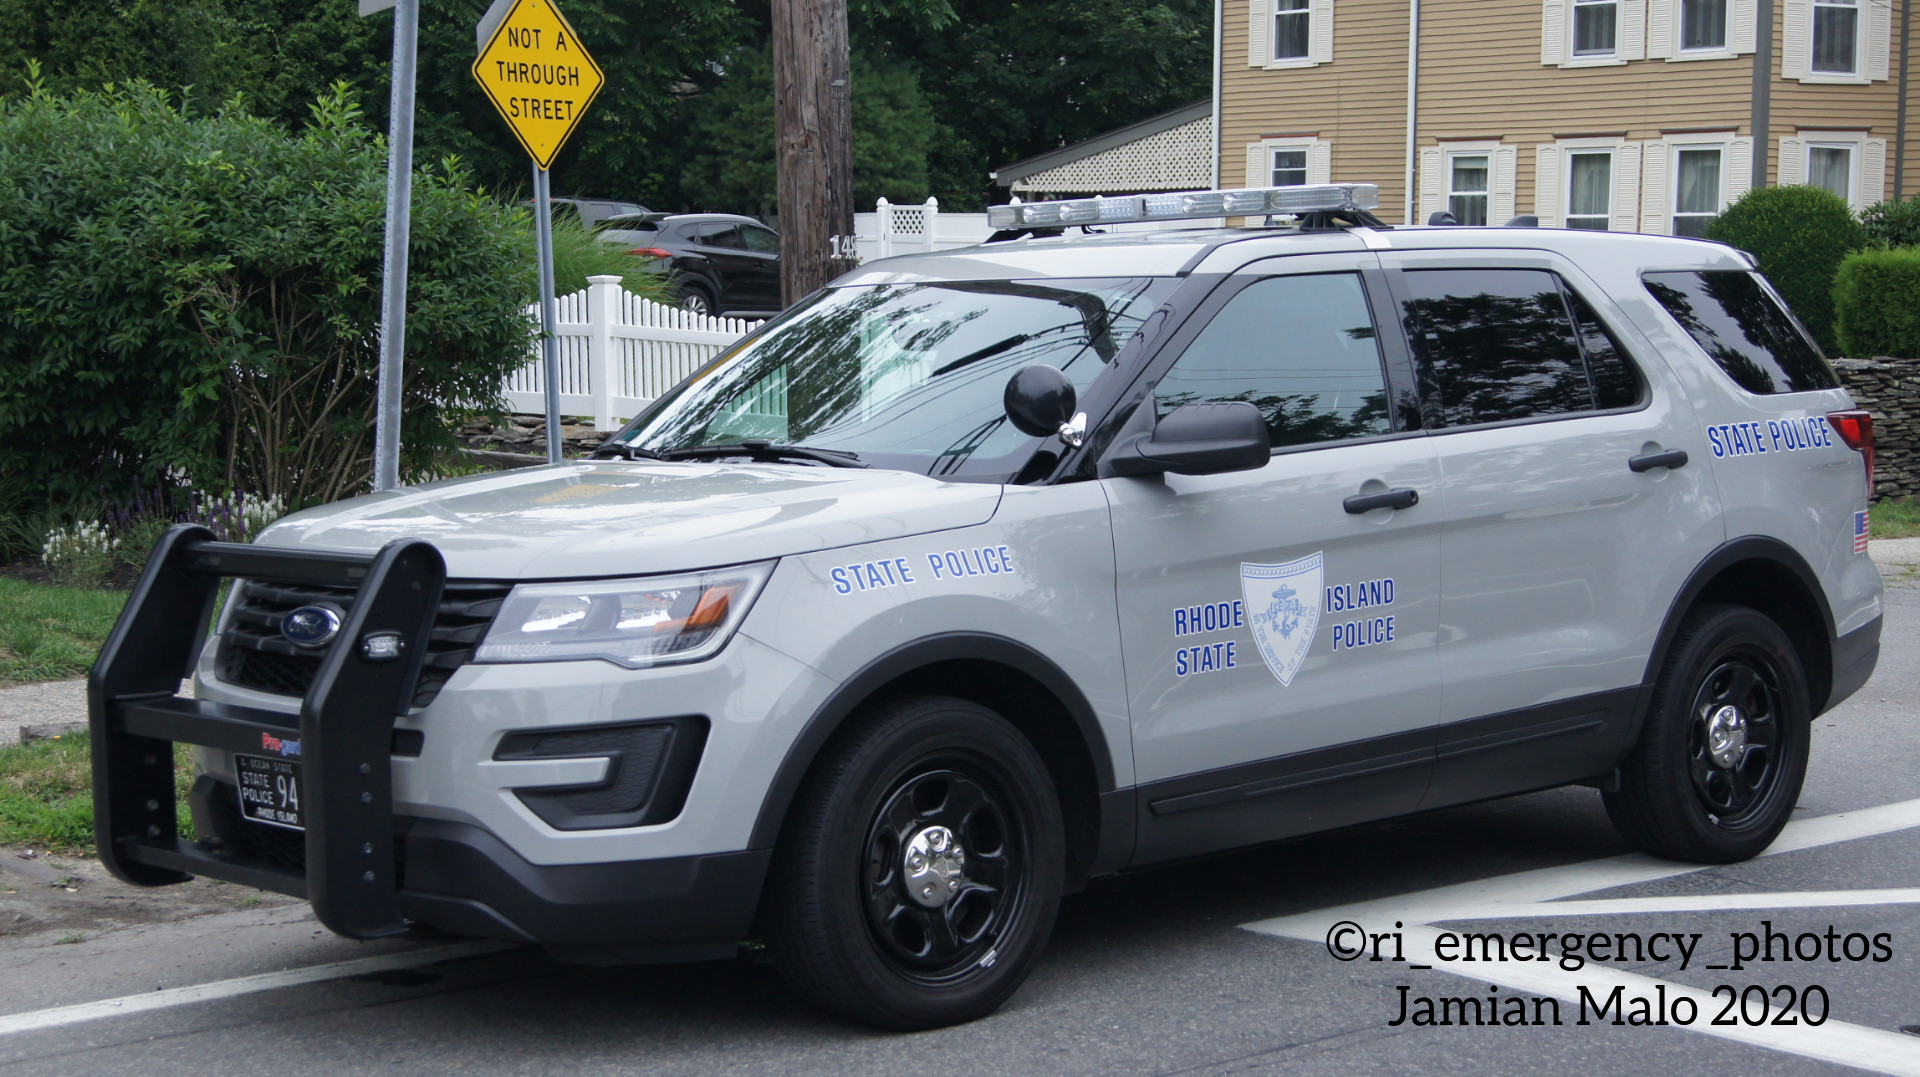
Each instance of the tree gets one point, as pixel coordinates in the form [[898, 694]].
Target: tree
[[730, 134]]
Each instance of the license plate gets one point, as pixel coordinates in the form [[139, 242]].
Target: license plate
[[269, 790]]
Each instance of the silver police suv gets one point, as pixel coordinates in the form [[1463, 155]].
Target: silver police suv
[[981, 574]]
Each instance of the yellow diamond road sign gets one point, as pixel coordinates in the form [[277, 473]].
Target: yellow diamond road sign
[[538, 76]]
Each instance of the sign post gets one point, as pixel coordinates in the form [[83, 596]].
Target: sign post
[[393, 277], [537, 75]]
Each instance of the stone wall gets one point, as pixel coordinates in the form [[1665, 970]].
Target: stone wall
[[1890, 390]]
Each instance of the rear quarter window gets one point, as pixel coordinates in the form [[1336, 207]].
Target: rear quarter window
[[1743, 329]]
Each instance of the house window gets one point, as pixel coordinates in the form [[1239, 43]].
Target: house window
[[1830, 168], [1590, 190], [1593, 27], [1289, 168], [1836, 35], [1290, 29], [1703, 25], [1696, 196], [1467, 188]]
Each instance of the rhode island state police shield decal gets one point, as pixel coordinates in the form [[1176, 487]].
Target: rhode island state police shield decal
[[1283, 603]]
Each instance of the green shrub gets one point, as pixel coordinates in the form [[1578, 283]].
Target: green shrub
[[1876, 303], [200, 294], [1893, 224], [577, 255], [1799, 235]]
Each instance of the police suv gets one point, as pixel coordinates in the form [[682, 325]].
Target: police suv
[[984, 573]]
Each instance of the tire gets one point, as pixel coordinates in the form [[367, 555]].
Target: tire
[[843, 924], [1677, 798], [694, 297]]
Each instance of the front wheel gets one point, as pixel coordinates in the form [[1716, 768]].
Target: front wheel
[[1721, 758], [920, 871]]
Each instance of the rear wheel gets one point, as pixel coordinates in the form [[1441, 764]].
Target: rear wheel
[[1721, 758], [918, 877], [694, 297]]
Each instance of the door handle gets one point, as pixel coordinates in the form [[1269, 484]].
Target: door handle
[[1672, 458], [1392, 499]]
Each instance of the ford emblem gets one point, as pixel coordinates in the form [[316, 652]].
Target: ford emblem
[[310, 626]]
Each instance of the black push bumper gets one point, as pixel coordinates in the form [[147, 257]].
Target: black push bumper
[[342, 736]]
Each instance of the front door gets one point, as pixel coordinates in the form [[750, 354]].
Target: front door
[[1562, 548], [1278, 633]]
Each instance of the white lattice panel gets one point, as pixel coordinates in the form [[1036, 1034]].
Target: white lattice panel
[[1177, 159]]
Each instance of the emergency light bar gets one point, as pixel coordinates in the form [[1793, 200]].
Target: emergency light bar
[[1244, 202]]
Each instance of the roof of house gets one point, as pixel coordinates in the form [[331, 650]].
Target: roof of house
[[1171, 151]]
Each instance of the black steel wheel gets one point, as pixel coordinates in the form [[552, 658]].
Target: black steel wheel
[[1720, 759], [920, 870]]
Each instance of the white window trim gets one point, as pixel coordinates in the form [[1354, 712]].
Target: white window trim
[[1263, 15], [1858, 76], [1319, 159], [1860, 142], [1623, 190], [1734, 175], [1663, 32], [1629, 35], [1873, 32]]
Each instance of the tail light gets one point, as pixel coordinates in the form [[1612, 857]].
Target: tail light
[[649, 252], [1856, 429]]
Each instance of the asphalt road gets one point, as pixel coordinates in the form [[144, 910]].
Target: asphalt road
[[1217, 967]]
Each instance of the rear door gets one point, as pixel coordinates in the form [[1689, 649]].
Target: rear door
[[1562, 548], [762, 251], [719, 243], [1279, 644]]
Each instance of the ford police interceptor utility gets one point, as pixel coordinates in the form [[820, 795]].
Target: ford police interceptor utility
[[984, 573]]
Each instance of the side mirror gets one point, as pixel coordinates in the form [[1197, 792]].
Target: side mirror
[[1039, 400], [1198, 439]]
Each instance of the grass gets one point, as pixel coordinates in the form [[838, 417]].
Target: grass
[[46, 794], [1896, 517], [52, 633]]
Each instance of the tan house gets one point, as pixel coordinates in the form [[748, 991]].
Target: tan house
[[1637, 115]]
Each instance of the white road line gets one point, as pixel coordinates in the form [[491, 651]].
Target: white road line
[[78, 1013], [1791, 899], [1567, 880], [1834, 1041], [1535, 893]]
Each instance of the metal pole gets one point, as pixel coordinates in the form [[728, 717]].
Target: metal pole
[[549, 344], [393, 281]]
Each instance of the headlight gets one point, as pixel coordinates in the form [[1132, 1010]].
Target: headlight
[[650, 621]]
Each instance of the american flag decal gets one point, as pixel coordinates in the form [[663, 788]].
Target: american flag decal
[[1860, 531]]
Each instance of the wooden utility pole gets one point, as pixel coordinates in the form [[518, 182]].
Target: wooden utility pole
[[813, 143]]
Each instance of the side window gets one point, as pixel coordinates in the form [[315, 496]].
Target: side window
[[1735, 321], [1615, 385], [1301, 349], [1498, 344], [718, 235], [759, 239]]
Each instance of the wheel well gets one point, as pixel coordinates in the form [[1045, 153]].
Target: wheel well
[[1776, 590], [1042, 718]]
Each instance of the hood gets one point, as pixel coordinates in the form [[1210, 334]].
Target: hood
[[614, 518]]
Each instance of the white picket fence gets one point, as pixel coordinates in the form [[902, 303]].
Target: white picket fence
[[618, 351]]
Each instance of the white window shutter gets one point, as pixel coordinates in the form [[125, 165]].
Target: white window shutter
[[1873, 172], [1796, 40], [1546, 186], [1500, 200], [1260, 27], [1736, 178], [1879, 38], [1742, 21], [1661, 40], [1319, 162], [1626, 188], [1259, 173], [1633, 30], [1320, 31], [1654, 195], [1553, 31], [1432, 183], [1793, 162]]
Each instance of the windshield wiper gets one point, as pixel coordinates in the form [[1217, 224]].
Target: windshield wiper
[[624, 450], [761, 449]]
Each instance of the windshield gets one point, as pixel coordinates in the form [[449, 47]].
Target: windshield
[[904, 376]]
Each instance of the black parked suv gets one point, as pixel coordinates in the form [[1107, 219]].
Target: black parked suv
[[721, 263]]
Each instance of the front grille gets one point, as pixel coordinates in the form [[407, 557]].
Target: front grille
[[253, 653]]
